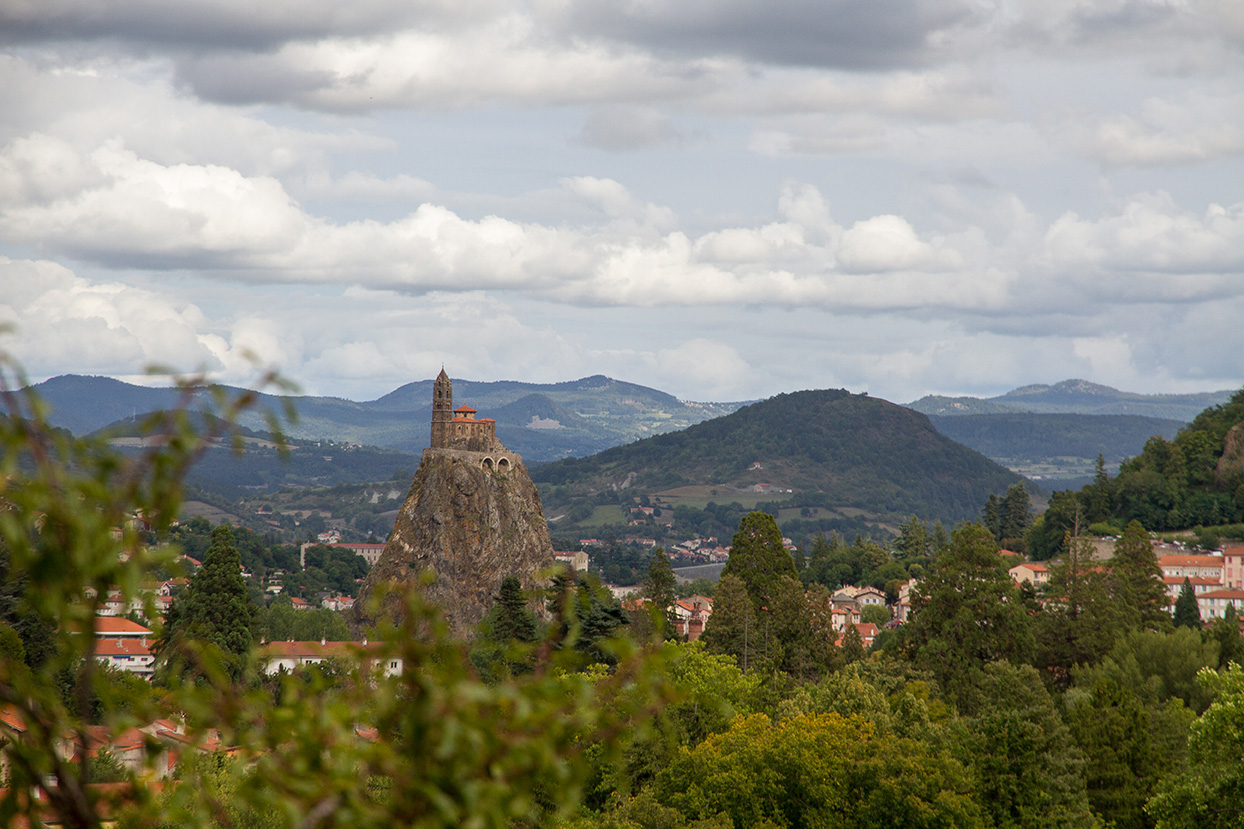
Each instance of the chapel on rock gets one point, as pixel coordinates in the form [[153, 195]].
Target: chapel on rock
[[460, 430]]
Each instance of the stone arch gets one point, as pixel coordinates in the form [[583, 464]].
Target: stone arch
[[487, 463], [503, 465]]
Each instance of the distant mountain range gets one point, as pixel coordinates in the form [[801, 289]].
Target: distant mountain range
[[542, 422], [832, 449], [1075, 397]]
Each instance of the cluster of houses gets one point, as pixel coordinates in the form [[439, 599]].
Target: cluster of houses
[[1217, 579]]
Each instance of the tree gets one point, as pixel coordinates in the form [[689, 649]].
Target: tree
[[1128, 746], [818, 769], [758, 557], [1081, 621], [505, 753], [659, 588], [1187, 611], [1015, 518], [967, 613], [732, 627], [852, 645], [214, 610], [1029, 768], [1226, 632], [510, 619], [1136, 580], [1208, 794], [913, 545]]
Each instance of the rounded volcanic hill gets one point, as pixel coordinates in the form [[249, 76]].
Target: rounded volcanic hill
[[830, 447]]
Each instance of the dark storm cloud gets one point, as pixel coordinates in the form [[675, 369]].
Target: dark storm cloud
[[845, 34], [227, 24], [242, 78]]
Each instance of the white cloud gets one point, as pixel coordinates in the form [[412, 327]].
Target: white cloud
[[889, 243]]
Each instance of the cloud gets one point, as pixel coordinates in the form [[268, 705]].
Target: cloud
[[624, 128], [889, 243], [1196, 128], [854, 34], [223, 24], [117, 209]]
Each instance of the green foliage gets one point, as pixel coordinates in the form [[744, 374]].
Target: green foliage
[[586, 617], [1029, 770], [732, 628], [1128, 747], [1136, 580], [1187, 612], [1081, 619], [1209, 794], [279, 622], [818, 770], [1157, 666], [68, 527], [659, 588], [759, 559], [967, 613], [1226, 633], [214, 611]]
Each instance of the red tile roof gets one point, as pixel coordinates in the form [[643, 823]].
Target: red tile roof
[[118, 626], [121, 647]]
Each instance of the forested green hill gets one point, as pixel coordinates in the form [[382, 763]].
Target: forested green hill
[[831, 448]]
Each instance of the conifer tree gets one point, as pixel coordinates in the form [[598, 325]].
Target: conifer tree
[[732, 627], [214, 609], [1137, 580], [659, 586], [758, 557], [852, 645], [1187, 613], [510, 619], [1016, 516], [1226, 632]]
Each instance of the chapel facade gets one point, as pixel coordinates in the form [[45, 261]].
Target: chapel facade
[[459, 428]]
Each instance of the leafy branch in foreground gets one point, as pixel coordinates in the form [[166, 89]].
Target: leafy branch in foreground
[[74, 518]]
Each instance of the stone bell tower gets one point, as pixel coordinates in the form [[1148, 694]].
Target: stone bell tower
[[442, 410]]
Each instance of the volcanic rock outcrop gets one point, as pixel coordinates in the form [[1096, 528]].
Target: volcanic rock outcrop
[[471, 518]]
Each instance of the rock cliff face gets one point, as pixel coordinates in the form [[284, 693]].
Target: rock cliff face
[[1230, 467], [471, 521]]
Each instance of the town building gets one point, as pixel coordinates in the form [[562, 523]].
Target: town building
[[288, 656], [1032, 572]]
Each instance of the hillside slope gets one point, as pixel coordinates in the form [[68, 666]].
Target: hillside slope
[[831, 448], [1060, 448]]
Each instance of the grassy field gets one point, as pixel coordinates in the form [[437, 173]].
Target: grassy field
[[700, 496]]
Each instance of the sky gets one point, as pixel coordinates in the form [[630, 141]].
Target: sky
[[723, 200]]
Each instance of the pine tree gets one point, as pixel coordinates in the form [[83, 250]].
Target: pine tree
[[510, 619], [1081, 621], [1187, 613], [852, 645], [732, 629], [992, 517], [758, 557], [1137, 580], [659, 586], [213, 609], [1226, 631], [1016, 516]]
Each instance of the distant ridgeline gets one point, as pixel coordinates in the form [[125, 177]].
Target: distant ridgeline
[[541, 421], [1075, 397], [1194, 480], [832, 448]]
